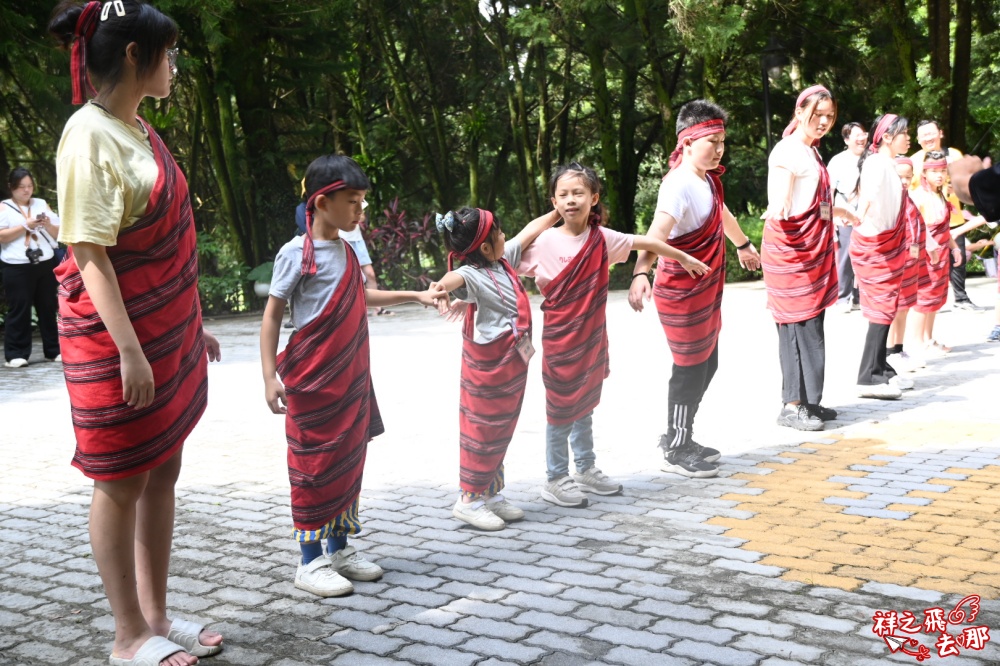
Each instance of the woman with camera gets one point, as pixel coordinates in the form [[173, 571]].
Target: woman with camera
[[28, 233]]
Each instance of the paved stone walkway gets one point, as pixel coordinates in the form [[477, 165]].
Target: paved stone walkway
[[783, 559]]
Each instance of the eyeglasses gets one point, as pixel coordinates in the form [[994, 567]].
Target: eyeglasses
[[172, 58]]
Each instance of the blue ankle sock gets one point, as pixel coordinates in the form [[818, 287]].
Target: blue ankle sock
[[310, 551], [335, 543]]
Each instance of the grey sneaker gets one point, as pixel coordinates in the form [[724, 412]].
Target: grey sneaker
[[478, 515], [499, 505], [564, 492], [595, 481], [349, 564], [319, 578]]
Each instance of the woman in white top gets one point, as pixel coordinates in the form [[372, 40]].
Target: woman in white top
[[28, 233], [798, 257], [878, 251]]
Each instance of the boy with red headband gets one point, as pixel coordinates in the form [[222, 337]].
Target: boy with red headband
[[692, 217], [325, 389]]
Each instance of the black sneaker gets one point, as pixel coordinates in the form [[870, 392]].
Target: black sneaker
[[798, 417], [821, 412], [706, 453], [685, 461]]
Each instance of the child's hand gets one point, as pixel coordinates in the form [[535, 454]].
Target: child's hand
[[749, 259], [456, 311], [956, 255], [640, 291], [274, 394], [212, 347], [440, 297], [430, 297], [693, 266]]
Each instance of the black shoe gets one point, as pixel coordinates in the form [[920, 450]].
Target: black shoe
[[686, 462], [706, 453], [821, 412], [967, 305], [798, 417]]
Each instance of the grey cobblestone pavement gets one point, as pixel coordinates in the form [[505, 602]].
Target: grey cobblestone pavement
[[783, 559]]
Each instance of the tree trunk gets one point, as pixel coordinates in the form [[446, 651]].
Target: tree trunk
[[898, 18], [961, 74]]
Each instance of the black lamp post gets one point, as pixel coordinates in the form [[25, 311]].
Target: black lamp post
[[772, 59]]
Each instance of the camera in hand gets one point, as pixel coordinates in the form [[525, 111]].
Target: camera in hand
[[34, 254]]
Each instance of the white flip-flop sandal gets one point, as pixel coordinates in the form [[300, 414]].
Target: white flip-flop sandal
[[151, 653], [185, 633]]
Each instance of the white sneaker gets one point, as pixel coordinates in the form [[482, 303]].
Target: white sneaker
[[57, 359], [349, 564], [507, 512], [564, 492], [319, 578], [902, 383], [905, 362], [16, 363], [595, 481], [478, 515], [880, 391]]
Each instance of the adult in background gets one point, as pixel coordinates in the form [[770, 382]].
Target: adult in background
[[130, 321], [798, 257], [980, 187], [879, 250], [843, 170], [930, 137], [28, 233]]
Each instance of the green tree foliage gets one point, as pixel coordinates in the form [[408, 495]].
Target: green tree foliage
[[450, 102]]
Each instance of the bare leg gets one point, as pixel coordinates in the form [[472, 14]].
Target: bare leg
[[919, 327], [898, 328], [929, 327], [112, 539], [154, 536]]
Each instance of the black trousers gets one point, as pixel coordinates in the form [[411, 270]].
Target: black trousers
[[958, 272], [802, 353], [875, 369], [685, 390], [845, 269], [27, 286]]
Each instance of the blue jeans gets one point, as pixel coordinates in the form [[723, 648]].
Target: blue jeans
[[580, 436]]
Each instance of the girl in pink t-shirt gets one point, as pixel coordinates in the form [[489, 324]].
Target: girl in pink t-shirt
[[570, 266]]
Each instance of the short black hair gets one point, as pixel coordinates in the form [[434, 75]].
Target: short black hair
[[933, 155], [152, 30], [329, 169], [928, 122], [699, 111], [17, 175], [846, 130], [463, 233]]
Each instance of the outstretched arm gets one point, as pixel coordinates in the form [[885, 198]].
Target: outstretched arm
[[451, 281], [379, 298], [531, 230], [641, 290]]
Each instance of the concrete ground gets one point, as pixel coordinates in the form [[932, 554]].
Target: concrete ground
[[785, 558]]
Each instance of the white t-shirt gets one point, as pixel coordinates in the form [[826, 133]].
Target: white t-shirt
[[843, 170], [792, 155], [13, 252], [686, 198], [879, 185]]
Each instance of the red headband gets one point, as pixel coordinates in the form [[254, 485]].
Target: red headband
[[694, 133], [803, 96], [880, 130], [935, 164], [482, 234], [308, 249], [903, 159], [86, 24]]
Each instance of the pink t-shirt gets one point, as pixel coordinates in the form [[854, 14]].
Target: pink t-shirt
[[554, 248]]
